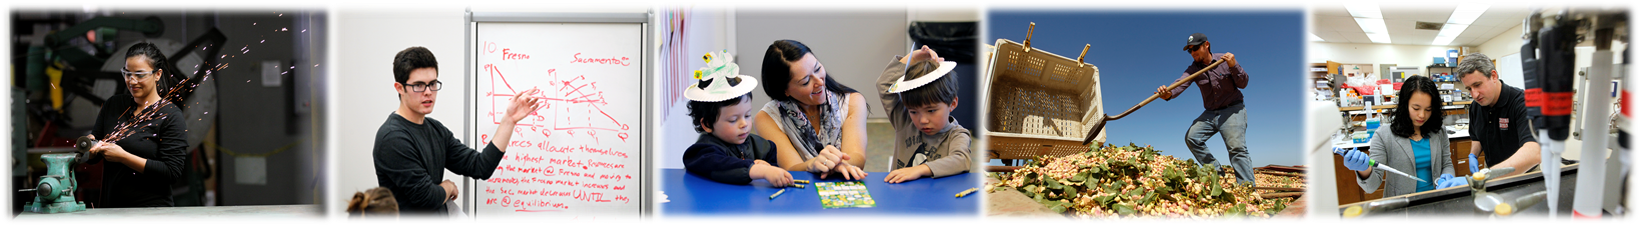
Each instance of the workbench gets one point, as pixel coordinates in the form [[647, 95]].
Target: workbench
[[1457, 201], [191, 212]]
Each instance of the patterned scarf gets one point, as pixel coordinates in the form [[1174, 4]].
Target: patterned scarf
[[801, 132]]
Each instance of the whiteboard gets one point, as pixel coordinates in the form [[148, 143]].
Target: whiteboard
[[581, 154], [1509, 71]]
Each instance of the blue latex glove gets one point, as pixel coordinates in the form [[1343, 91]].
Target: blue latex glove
[[1355, 160], [1474, 165], [1447, 181]]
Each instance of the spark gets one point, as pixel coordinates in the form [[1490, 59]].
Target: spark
[[145, 115]]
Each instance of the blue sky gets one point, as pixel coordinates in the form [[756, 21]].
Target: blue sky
[[1136, 51]]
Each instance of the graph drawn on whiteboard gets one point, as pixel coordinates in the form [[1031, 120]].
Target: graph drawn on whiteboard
[[579, 155]]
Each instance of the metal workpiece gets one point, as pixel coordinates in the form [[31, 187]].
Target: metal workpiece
[[1460, 202]]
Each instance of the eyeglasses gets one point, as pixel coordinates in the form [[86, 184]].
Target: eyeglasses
[[422, 87], [1192, 48], [135, 75]]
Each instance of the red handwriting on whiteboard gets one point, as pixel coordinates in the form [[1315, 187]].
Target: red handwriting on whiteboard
[[605, 151], [524, 205], [524, 199], [508, 54], [611, 60], [576, 104]]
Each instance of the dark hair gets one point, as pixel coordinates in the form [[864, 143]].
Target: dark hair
[[941, 90], [703, 114], [410, 59], [376, 201], [1475, 62], [166, 73], [777, 69], [1402, 123]]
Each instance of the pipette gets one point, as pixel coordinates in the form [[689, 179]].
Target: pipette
[[1374, 163]]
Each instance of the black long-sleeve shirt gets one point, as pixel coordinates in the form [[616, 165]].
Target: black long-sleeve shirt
[[720, 161], [411, 159], [162, 141]]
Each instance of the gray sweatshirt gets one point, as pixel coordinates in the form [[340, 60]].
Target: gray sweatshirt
[[945, 152]]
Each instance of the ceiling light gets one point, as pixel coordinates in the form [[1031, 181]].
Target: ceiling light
[[1460, 20], [1314, 38], [1371, 20], [1374, 27]]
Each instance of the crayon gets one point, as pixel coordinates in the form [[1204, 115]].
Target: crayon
[[777, 194], [966, 192], [800, 181]]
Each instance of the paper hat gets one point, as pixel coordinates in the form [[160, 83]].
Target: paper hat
[[902, 85], [720, 80]]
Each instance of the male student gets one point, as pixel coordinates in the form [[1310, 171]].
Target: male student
[[412, 151]]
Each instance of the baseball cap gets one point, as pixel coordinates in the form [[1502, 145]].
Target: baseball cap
[[1195, 39]]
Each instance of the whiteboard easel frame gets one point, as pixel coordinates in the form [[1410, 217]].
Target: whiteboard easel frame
[[646, 205]]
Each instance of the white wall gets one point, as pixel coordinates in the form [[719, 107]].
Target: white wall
[[708, 29], [363, 87], [364, 40], [1376, 54], [1504, 44]]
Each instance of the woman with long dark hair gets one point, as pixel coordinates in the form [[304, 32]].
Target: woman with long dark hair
[[1413, 142], [143, 163], [817, 124]]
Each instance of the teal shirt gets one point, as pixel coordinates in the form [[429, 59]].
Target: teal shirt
[[1420, 156]]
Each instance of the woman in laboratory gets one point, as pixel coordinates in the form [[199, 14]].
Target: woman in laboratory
[[143, 164], [1414, 142]]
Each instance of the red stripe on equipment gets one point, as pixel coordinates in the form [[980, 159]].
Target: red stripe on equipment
[[1629, 107], [1558, 103], [1534, 97]]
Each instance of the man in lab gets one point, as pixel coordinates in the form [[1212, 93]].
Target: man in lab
[[412, 151], [1497, 117], [1221, 96]]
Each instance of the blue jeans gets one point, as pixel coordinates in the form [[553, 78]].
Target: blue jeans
[[1230, 121]]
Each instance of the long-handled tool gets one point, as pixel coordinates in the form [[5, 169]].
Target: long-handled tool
[[1100, 125], [1374, 163]]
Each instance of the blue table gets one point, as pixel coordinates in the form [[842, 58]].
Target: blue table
[[694, 195]]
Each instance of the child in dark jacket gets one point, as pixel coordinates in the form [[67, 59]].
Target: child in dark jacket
[[721, 109]]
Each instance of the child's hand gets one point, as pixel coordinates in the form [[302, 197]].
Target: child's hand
[[759, 162], [920, 55], [775, 175], [907, 174]]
